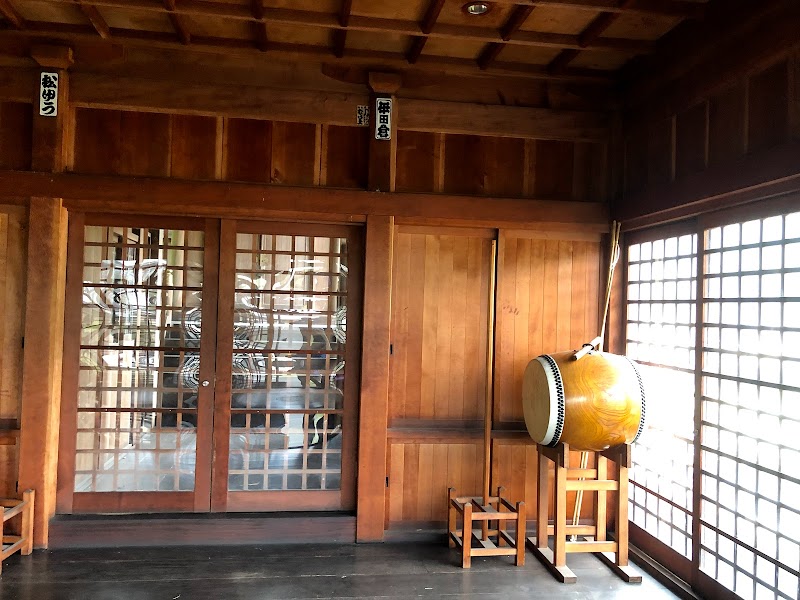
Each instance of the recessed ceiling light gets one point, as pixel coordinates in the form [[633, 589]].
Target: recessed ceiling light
[[477, 8]]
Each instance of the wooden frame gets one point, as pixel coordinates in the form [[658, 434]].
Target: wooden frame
[[23, 541], [69, 501]]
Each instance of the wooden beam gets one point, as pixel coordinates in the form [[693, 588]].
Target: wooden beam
[[262, 39], [301, 52], [426, 26], [95, 18], [333, 108], [503, 121], [177, 22], [11, 15], [212, 198], [340, 35], [374, 405], [515, 20]]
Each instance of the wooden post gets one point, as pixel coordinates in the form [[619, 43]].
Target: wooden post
[[373, 420], [27, 521], [542, 500], [44, 305], [560, 518], [466, 537], [383, 152]]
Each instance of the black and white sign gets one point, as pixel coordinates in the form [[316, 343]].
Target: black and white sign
[[48, 95], [383, 119], [362, 115]]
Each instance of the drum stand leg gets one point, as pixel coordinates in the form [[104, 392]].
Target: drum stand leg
[[612, 553]]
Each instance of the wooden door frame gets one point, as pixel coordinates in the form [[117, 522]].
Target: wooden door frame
[[67, 500], [223, 500]]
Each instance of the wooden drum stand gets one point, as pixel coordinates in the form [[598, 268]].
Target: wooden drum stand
[[612, 553]]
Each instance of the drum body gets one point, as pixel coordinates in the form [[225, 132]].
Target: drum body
[[592, 403]]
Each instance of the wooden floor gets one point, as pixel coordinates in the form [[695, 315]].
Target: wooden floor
[[301, 571]]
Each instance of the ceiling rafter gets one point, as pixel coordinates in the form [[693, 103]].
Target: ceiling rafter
[[688, 9], [260, 26], [303, 52], [340, 35], [426, 27], [588, 36], [515, 20], [91, 12], [177, 22], [11, 15]]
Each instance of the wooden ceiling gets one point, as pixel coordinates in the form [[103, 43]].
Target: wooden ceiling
[[580, 40]]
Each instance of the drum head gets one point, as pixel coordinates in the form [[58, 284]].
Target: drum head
[[540, 395]]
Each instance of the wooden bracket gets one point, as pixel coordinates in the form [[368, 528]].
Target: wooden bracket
[[385, 83], [51, 56]]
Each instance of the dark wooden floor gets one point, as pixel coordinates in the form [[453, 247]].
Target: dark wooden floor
[[301, 571]]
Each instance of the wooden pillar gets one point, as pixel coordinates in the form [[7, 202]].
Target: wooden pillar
[[44, 304], [383, 152], [373, 419]]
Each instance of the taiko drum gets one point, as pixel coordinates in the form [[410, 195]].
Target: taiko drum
[[592, 403]]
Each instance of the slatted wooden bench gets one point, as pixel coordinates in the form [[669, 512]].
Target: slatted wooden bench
[[24, 541]]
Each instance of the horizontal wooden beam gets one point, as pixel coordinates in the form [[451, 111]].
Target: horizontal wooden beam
[[240, 200], [665, 8], [72, 34], [427, 27], [503, 121]]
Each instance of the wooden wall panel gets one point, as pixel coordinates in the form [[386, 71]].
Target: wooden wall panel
[[554, 169], [293, 153], [590, 172], [13, 264], [726, 125], [660, 152], [420, 474], [193, 149], [122, 143], [691, 137], [347, 156], [440, 290], [548, 301], [248, 154], [484, 166], [768, 108], [416, 161], [16, 130]]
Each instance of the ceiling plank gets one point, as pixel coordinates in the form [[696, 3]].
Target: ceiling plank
[[379, 25], [426, 26], [177, 23], [91, 12], [591, 33], [11, 15], [515, 20], [300, 52], [340, 35]]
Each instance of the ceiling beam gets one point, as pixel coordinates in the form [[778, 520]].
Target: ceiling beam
[[688, 9], [177, 23], [340, 35], [426, 26], [515, 20], [260, 26], [11, 15], [95, 18], [589, 35], [300, 52]]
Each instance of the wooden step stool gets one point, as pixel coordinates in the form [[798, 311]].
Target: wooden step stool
[[24, 541], [474, 510], [612, 553]]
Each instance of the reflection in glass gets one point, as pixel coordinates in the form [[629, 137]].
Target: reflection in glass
[[290, 321], [139, 359]]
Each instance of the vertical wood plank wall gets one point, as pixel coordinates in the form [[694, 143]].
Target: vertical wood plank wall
[[546, 302]]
